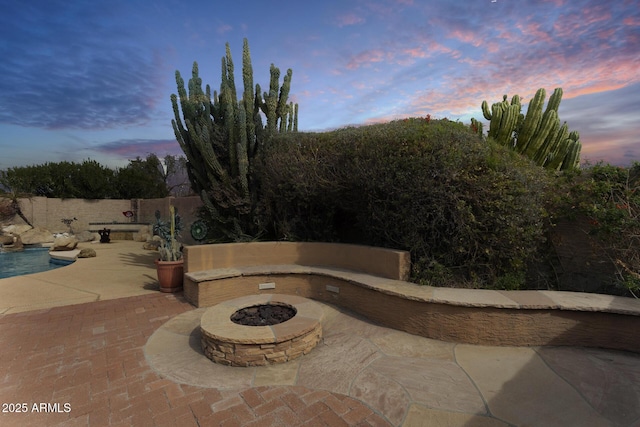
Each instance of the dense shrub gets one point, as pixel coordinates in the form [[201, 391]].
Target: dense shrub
[[609, 198], [464, 208], [140, 179]]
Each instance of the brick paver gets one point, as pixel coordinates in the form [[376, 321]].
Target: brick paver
[[84, 365]]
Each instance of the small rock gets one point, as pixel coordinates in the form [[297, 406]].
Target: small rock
[[152, 245], [87, 253], [6, 240], [64, 244]]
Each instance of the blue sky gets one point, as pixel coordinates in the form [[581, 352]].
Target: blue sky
[[92, 79]]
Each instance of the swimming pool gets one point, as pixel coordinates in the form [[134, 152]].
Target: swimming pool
[[32, 260]]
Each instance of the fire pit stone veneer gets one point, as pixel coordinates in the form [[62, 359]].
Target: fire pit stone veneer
[[229, 343]]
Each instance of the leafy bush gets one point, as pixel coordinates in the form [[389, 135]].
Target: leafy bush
[[141, 178], [609, 198], [464, 208]]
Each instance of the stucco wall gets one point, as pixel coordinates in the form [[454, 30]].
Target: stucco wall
[[48, 212]]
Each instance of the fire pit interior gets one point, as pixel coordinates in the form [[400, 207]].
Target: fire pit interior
[[285, 327], [263, 315]]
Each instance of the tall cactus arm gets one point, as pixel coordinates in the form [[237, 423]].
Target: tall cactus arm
[[558, 156], [496, 114], [195, 85], [554, 100], [187, 107], [552, 157], [228, 108], [485, 110], [243, 160], [505, 103], [281, 111], [546, 125], [248, 98], [257, 118], [574, 135], [270, 105], [508, 124], [541, 156], [572, 159], [290, 117], [531, 120], [230, 80], [201, 141]]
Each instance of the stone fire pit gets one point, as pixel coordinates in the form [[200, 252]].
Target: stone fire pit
[[229, 343]]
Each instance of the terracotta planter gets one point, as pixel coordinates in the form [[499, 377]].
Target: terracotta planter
[[170, 275]]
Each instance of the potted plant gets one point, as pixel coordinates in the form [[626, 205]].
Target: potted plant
[[170, 265]]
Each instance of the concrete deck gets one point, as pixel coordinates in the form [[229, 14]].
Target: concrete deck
[[98, 336], [120, 269]]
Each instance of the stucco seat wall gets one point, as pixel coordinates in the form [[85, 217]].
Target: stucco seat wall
[[517, 318]]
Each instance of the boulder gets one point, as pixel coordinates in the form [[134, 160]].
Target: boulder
[[64, 244], [15, 229], [14, 244], [143, 234], [86, 236], [87, 253], [6, 239], [37, 235]]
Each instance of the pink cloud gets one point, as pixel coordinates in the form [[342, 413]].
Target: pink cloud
[[572, 25], [366, 58], [534, 30], [430, 49], [632, 21], [576, 79], [349, 19], [416, 52], [466, 36]]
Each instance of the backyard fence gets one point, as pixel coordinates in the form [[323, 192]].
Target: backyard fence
[[64, 215]]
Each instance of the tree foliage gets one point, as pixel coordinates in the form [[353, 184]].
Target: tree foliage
[[141, 178]]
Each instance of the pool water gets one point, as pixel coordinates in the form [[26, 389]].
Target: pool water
[[33, 260]]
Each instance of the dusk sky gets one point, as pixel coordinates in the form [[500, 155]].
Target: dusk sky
[[92, 79]]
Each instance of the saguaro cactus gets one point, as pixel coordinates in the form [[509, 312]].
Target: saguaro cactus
[[221, 136], [537, 135]]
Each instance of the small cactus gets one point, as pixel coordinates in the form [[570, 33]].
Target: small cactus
[[169, 231]]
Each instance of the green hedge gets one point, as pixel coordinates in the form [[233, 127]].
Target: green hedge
[[608, 197], [466, 209]]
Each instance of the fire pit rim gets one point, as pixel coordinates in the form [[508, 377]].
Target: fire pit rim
[[216, 321], [270, 304]]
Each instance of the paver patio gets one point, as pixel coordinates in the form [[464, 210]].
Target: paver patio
[[111, 362]]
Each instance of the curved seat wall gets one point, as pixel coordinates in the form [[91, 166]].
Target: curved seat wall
[[378, 291]]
